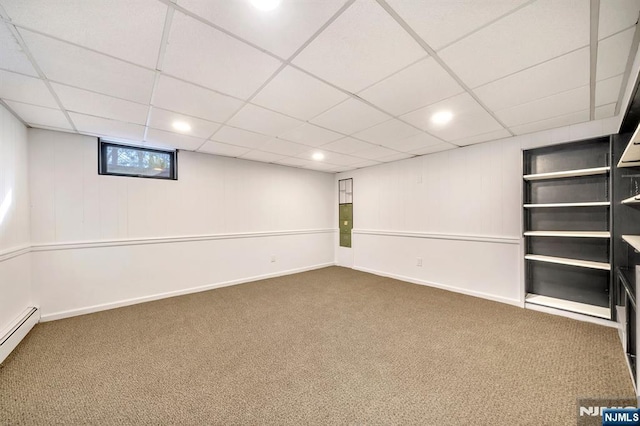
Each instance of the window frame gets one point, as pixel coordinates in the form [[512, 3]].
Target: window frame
[[102, 160]]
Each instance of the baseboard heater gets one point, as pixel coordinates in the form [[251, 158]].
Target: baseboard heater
[[18, 331]]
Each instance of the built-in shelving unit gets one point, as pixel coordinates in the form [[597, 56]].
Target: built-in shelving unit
[[631, 200], [568, 173], [568, 305], [567, 210], [570, 262], [626, 237], [572, 234], [631, 155], [585, 204]]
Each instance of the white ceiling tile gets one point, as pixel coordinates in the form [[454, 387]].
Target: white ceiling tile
[[376, 153], [12, 57], [433, 149], [420, 84], [218, 148], [176, 95], [239, 137], [204, 55], [607, 91], [86, 22], [37, 115], [262, 120], [442, 22], [395, 157], [613, 53], [89, 70], [321, 167], [311, 135], [282, 147], [163, 120], [387, 133], [365, 163], [350, 116], [83, 101], [557, 75], [297, 94], [491, 136], [605, 111], [340, 169], [538, 32], [616, 15], [265, 157], [295, 162], [364, 45], [107, 128], [558, 121], [331, 157], [347, 145], [421, 140], [281, 31], [162, 139], [30, 90], [469, 118], [542, 109]]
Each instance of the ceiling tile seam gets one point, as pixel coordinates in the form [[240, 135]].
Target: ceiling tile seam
[[14, 31], [594, 15], [358, 98], [284, 64], [635, 43], [168, 19], [555, 116], [79, 46], [530, 67], [12, 112], [617, 32], [493, 21], [219, 28], [422, 58], [434, 54], [543, 97]]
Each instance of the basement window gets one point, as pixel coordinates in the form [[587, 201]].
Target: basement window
[[134, 161]]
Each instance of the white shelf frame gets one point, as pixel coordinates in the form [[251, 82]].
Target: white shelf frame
[[587, 204], [631, 155], [568, 173], [632, 200], [569, 305], [570, 262], [633, 241], [571, 234]]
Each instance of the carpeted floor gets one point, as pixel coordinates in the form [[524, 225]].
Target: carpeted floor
[[331, 346]]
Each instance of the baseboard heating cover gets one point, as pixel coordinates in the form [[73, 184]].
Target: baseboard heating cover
[[18, 331]]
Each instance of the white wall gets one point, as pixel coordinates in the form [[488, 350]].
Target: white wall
[[105, 241], [15, 269], [459, 211]]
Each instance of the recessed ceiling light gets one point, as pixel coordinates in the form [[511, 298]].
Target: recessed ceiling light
[[265, 5], [181, 126], [318, 156], [442, 117]]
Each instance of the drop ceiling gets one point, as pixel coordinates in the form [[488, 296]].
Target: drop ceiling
[[356, 80]]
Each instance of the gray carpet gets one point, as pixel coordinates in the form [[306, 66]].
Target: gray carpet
[[331, 346]]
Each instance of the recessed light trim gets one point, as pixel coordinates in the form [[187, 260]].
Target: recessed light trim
[[181, 126], [265, 5], [318, 156], [441, 117]]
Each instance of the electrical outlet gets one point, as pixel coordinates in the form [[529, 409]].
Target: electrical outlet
[[273, 258], [419, 263]]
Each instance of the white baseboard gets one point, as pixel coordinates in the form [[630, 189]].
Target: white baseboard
[[17, 331], [515, 302], [106, 306], [572, 315]]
